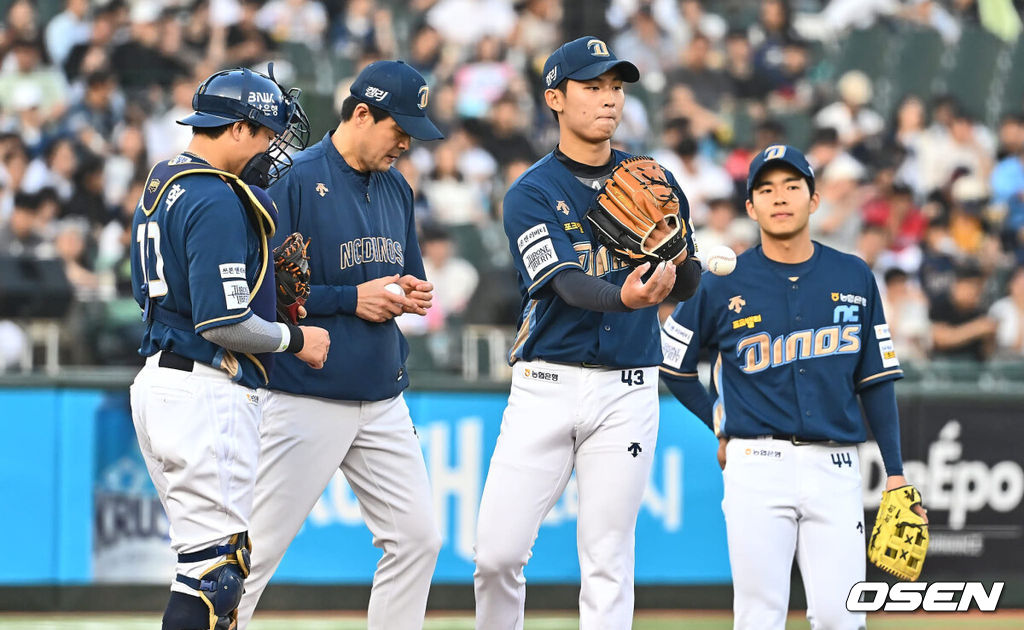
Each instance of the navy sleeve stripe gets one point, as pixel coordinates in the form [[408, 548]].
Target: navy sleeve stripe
[[880, 375], [221, 321]]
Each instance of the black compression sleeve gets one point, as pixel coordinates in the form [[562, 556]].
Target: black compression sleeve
[[687, 280], [582, 291]]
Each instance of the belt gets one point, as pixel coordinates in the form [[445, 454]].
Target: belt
[[175, 361], [800, 441]]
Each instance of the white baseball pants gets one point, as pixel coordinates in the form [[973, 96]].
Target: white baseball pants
[[304, 440], [560, 418], [783, 500], [199, 435]]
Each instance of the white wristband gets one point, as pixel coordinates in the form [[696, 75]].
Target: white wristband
[[286, 337]]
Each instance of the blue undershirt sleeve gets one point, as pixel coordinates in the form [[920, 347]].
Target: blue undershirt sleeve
[[693, 396], [879, 403]]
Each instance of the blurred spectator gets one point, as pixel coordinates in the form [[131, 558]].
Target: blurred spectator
[[94, 53], [773, 29], [88, 203], [93, 119], [483, 80], [871, 244], [13, 164], [54, 169], [139, 62], [247, 43], [453, 200], [505, 137], [709, 84], [906, 313], [165, 138], [28, 73], [747, 85], [961, 329], [67, 29], [129, 161], [1008, 312], [648, 46], [294, 21], [464, 22], [454, 278], [939, 258], [19, 25], [696, 19], [21, 234], [70, 245], [1008, 188], [425, 52], [1010, 135], [907, 139], [894, 210], [725, 227], [850, 116], [700, 178], [536, 32], [837, 220]]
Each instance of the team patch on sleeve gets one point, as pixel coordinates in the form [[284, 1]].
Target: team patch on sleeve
[[236, 294], [541, 255], [888, 352], [232, 270], [677, 330], [882, 331], [531, 236], [672, 350]]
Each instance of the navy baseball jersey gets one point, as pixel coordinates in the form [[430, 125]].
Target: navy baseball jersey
[[361, 228], [545, 220], [199, 260], [793, 344]]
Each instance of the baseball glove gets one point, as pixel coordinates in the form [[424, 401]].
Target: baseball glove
[[627, 210], [291, 271], [899, 539]]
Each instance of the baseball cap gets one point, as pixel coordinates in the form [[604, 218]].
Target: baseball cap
[[398, 89], [585, 58], [780, 153]]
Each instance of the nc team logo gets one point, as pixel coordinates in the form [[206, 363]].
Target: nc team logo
[[424, 96], [375, 93], [774, 152], [598, 48]]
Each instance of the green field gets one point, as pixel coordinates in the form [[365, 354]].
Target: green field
[[644, 621]]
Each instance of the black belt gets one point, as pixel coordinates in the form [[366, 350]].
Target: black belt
[[800, 441], [175, 361]]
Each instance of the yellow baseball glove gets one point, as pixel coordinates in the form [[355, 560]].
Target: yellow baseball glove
[[899, 540]]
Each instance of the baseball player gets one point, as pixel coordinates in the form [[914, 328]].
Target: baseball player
[[584, 388], [798, 336], [352, 415], [199, 271]]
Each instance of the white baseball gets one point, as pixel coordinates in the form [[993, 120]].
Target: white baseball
[[720, 260], [394, 288]]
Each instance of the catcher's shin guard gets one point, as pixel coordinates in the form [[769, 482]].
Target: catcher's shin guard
[[220, 586]]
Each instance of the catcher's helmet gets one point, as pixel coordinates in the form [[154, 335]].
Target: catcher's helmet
[[241, 94]]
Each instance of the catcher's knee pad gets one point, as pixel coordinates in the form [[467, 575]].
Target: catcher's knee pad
[[221, 586]]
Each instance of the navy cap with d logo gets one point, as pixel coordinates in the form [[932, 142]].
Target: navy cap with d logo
[[780, 153], [585, 58], [399, 90]]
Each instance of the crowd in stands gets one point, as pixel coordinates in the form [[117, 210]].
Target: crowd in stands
[[927, 190]]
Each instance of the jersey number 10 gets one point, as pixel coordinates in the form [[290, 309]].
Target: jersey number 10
[[151, 230]]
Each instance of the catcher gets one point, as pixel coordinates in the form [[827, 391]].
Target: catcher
[[802, 348], [599, 240]]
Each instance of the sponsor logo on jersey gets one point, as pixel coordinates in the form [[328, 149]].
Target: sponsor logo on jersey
[[532, 235], [598, 48], [677, 330], [371, 249], [539, 256], [934, 597], [154, 185], [849, 298], [760, 351], [736, 303], [562, 207], [540, 375], [253, 399], [321, 189], [672, 350], [888, 352], [173, 195], [572, 225], [882, 331], [181, 158], [746, 321], [236, 294], [232, 270], [375, 93]]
